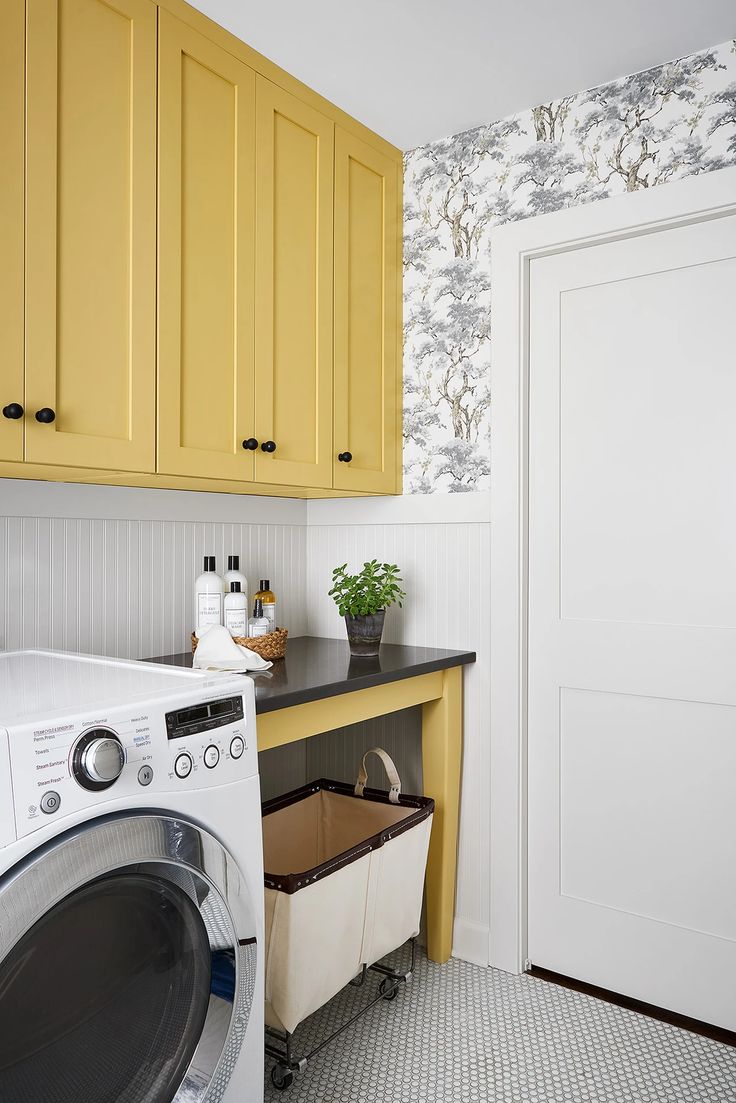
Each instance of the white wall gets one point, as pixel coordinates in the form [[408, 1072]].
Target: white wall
[[442, 544]]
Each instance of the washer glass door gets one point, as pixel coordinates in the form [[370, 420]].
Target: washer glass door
[[106, 995], [132, 987]]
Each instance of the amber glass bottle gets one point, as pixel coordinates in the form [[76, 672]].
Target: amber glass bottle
[[268, 600]]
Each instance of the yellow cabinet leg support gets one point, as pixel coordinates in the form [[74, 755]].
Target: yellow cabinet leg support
[[442, 728]]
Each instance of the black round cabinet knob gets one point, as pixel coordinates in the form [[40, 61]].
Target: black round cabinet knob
[[268, 446], [345, 457], [13, 411], [45, 415], [251, 444]]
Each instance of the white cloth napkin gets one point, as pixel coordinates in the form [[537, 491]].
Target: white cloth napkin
[[217, 650]]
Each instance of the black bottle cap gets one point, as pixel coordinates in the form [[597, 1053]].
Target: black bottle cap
[[234, 587], [233, 562], [209, 562], [265, 584], [258, 608]]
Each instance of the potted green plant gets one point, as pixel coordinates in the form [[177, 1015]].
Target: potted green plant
[[363, 599]]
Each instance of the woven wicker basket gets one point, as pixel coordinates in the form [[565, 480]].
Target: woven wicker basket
[[271, 646]]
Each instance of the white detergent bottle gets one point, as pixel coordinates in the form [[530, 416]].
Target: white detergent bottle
[[234, 574], [236, 611], [208, 594]]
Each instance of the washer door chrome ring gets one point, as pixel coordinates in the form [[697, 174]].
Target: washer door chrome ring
[[170, 848]]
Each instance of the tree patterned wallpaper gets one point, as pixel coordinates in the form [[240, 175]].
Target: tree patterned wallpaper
[[663, 124]]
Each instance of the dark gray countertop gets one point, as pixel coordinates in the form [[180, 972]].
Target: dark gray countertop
[[315, 668]]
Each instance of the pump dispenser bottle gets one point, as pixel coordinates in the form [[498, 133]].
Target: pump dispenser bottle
[[258, 625]]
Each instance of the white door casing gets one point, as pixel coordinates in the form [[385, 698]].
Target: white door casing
[[617, 317]]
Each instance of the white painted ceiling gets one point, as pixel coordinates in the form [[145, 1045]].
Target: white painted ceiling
[[416, 70]]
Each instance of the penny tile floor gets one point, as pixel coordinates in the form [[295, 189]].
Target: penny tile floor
[[461, 1033]]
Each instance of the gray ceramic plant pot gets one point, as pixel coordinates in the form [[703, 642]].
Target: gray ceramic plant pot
[[364, 633]]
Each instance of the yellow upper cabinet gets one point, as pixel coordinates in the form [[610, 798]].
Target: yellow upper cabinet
[[12, 42], [91, 233], [206, 225], [294, 195], [367, 317], [199, 261]]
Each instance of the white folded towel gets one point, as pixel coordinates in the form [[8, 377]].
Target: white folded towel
[[217, 650]]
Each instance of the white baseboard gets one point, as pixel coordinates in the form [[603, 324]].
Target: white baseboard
[[470, 942]]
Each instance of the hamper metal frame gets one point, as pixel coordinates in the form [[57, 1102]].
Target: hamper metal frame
[[287, 1063]]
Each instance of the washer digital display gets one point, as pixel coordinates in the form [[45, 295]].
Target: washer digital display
[[196, 719]]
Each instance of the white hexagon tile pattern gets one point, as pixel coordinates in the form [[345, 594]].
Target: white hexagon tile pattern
[[463, 1034]]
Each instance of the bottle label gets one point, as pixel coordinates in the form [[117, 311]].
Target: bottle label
[[236, 622], [269, 611], [209, 609], [258, 630]]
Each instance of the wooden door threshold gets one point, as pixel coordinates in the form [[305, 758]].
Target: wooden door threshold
[[695, 1026]]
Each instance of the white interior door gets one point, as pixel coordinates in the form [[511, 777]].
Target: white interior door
[[632, 616]]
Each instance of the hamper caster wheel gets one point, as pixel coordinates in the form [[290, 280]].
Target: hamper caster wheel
[[388, 988], [281, 1077]]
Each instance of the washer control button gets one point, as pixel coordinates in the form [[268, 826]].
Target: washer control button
[[145, 775], [211, 756], [183, 765], [50, 803], [237, 747]]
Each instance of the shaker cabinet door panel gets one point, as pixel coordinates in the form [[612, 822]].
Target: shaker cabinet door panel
[[206, 209], [12, 36], [294, 195], [366, 317], [91, 233]]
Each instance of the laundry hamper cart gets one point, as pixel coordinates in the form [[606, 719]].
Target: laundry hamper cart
[[344, 881]]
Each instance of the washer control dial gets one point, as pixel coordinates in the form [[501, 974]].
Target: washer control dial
[[183, 765], [98, 759], [237, 747]]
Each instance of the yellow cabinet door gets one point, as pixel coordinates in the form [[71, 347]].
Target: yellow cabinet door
[[12, 42], [367, 317], [91, 233], [294, 189], [205, 294]]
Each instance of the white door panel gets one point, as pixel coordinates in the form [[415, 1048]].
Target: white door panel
[[632, 617]]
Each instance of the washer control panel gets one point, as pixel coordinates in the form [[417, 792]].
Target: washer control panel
[[192, 742], [206, 736]]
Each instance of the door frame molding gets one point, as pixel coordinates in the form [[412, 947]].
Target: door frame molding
[[711, 195]]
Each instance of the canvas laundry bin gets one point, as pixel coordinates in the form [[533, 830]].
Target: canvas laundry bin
[[344, 882]]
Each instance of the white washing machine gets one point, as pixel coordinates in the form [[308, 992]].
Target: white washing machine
[[131, 884]]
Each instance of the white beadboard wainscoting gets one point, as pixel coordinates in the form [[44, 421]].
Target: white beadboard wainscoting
[[442, 544], [111, 570]]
